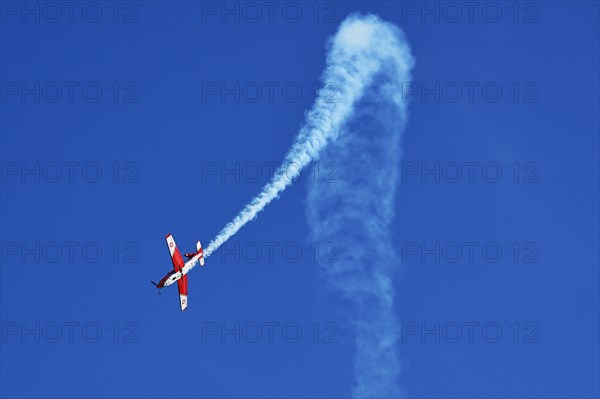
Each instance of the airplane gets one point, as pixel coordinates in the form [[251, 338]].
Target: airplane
[[180, 269]]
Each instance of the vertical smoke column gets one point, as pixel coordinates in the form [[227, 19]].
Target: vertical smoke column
[[355, 210]]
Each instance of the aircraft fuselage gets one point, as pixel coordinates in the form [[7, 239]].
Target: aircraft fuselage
[[173, 276]]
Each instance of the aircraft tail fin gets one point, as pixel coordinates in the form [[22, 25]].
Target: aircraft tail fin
[[199, 249]]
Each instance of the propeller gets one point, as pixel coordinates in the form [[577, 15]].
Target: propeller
[[156, 285]]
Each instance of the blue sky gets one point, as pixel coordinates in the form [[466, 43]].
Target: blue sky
[[154, 111]]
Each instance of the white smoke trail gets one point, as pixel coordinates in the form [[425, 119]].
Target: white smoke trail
[[360, 48], [356, 210], [353, 214]]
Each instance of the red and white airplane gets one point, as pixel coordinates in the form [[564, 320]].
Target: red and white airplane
[[181, 269]]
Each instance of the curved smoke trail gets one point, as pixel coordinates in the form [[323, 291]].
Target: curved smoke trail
[[363, 46]]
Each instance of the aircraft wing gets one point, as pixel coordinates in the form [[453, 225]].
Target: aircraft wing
[[182, 285], [176, 258]]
